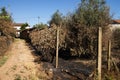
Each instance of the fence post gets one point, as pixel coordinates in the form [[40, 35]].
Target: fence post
[[57, 45], [99, 52], [109, 55]]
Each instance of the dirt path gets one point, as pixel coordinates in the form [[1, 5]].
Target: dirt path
[[20, 65]]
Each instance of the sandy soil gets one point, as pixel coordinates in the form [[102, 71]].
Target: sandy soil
[[20, 64]]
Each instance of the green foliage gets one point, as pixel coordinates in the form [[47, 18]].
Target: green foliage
[[83, 26], [40, 26], [6, 26], [3, 60], [4, 14], [92, 13], [23, 27], [56, 18], [109, 78]]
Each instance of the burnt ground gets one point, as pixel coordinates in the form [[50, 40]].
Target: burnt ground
[[71, 70], [114, 73], [82, 69]]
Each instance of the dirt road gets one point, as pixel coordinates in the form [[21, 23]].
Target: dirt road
[[20, 64]]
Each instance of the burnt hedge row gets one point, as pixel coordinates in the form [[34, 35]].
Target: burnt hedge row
[[85, 45], [4, 44], [44, 41], [7, 32]]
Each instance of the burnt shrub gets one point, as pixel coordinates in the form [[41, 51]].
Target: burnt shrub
[[65, 53], [4, 44], [44, 41], [116, 38], [83, 26], [25, 35], [79, 32], [83, 41], [7, 34]]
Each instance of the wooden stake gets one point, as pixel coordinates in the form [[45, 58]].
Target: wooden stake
[[109, 55], [99, 52], [57, 45]]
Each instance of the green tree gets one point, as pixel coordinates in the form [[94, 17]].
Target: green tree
[[4, 12], [6, 23], [40, 26], [83, 26], [56, 18], [23, 27], [5, 15], [92, 13]]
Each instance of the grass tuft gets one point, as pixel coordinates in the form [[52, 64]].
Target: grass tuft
[[3, 60]]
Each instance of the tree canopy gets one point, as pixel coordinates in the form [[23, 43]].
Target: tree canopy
[[56, 18], [6, 26], [23, 27], [92, 13], [40, 26], [83, 25], [5, 15]]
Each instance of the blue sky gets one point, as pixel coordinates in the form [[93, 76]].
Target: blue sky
[[29, 10]]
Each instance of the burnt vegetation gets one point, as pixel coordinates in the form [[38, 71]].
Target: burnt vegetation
[[45, 41], [78, 37], [7, 32], [78, 31], [78, 40]]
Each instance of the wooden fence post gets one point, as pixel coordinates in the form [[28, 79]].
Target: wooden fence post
[[99, 52], [57, 45], [109, 55]]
